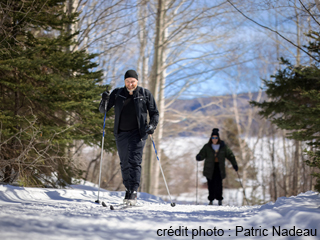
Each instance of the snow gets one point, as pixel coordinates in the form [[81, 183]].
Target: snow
[[175, 147], [41, 213]]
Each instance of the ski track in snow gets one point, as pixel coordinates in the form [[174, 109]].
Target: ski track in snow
[[36, 213]]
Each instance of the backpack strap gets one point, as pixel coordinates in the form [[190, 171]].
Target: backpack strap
[[118, 92], [143, 94]]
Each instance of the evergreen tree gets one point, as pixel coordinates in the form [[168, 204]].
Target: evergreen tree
[[48, 96], [231, 138], [294, 103]]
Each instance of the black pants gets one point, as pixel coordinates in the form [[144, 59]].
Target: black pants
[[130, 149], [215, 184]]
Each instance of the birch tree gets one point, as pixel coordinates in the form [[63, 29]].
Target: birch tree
[[176, 32]]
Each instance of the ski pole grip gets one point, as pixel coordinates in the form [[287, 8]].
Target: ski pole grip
[[106, 102]]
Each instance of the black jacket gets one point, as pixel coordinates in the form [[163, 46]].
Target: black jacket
[[143, 102]]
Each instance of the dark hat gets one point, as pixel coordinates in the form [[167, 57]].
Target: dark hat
[[131, 74], [215, 131]]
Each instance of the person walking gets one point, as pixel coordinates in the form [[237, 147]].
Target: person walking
[[132, 104], [214, 153]]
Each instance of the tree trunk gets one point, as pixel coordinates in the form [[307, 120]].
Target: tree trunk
[[143, 40], [295, 171], [241, 144], [157, 89], [298, 35], [274, 174], [143, 82], [286, 165]]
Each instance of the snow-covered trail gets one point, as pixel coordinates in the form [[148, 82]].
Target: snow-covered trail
[[33, 213]]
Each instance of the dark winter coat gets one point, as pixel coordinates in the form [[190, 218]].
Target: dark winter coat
[[208, 154], [143, 102]]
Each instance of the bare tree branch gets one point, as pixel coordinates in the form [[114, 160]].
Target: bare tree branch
[[272, 31], [309, 12]]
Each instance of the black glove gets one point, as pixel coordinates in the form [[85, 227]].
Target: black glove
[[235, 168], [105, 96], [149, 129], [198, 157]]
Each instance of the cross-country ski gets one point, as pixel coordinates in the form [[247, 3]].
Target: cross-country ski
[[123, 206]]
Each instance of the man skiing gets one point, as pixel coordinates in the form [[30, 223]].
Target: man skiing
[[132, 104]]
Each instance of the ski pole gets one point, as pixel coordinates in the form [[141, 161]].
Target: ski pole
[[155, 150], [244, 192], [104, 124], [197, 185]]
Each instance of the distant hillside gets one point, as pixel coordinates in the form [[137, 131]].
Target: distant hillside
[[198, 115], [224, 101]]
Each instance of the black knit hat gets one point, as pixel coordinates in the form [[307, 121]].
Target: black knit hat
[[131, 74], [215, 131]]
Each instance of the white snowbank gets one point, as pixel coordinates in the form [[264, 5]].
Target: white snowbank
[[33, 213]]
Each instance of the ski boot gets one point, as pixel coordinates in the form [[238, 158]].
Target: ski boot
[[132, 198], [126, 197]]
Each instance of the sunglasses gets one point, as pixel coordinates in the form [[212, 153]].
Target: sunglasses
[[214, 137]]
